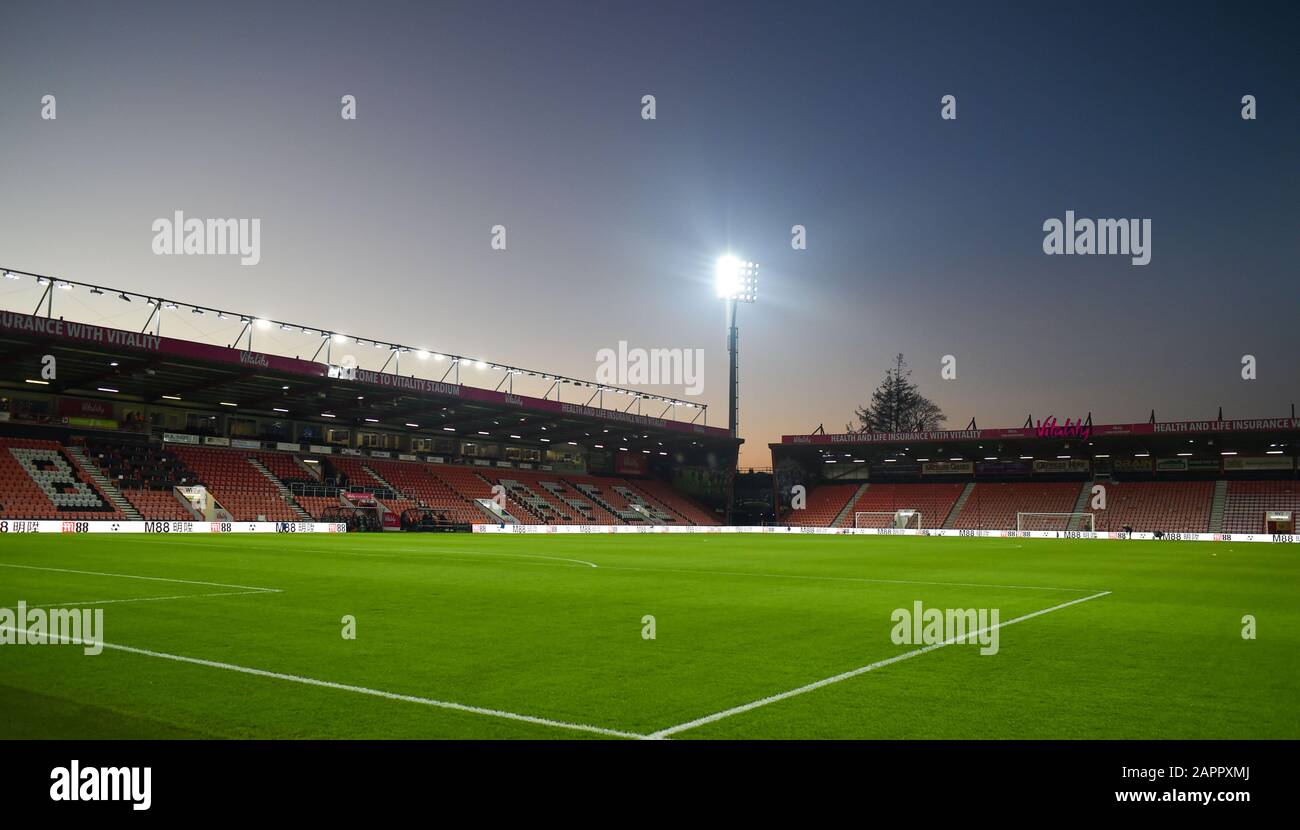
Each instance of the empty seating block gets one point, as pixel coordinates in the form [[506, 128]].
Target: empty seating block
[[639, 503], [138, 466], [525, 496], [608, 499], [285, 466], [825, 502], [355, 471], [934, 501], [316, 505], [237, 485], [419, 483], [1248, 501], [584, 509], [994, 506], [469, 485], [37, 481], [677, 502], [1148, 506], [158, 505]]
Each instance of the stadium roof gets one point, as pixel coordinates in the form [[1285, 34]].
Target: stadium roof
[[1205, 439], [1055, 429], [101, 362]]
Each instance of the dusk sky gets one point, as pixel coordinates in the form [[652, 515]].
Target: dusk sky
[[924, 235]]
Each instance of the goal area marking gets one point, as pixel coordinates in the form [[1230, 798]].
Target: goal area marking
[[499, 713], [747, 707]]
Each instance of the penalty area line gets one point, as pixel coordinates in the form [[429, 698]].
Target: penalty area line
[[748, 707], [135, 576], [155, 599], [436, 554], [361, 690]]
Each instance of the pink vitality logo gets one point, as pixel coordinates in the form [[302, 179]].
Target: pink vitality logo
[[1051, 429]]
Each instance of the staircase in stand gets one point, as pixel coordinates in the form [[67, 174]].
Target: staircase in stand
[[498, 514], [397, 494], [1081, 506], [285, 493], [951, 519], [105, 485], [1218, 505], [312, 470], [846, 514]]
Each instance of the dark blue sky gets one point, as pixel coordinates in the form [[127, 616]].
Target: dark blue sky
[[924, 236]]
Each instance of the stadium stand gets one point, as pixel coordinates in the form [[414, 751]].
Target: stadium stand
[[103, 478], [585, 510], [825, 503], [138, 466], [398, 505], [145, 474], [353, 473], [1149, 506], [159, 505], [1247, 502], [525, 488], [677, 503], [39, 481], [469, 485], [608, 496], [444, 497], [285, 466], [935, 502], [639, 503], [994, 505], [242, 489], [316, 505]]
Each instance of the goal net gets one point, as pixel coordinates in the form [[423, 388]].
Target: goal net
[[909, 519], [1055, 521]]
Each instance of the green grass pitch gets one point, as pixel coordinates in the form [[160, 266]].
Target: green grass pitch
[[520, 637]]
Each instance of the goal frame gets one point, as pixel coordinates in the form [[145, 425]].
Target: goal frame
[[1090, 517], [893, 514]]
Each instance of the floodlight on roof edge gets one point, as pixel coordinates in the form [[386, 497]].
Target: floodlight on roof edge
[[252, 322]]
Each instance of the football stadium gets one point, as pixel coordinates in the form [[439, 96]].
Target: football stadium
[[561, 566], [450, 406]]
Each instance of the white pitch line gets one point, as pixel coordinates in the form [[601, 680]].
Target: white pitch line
[[470, 553], [362, 690], [150, 599], [393, 554], [846, 579], [747, 707], [689, 571], [467, 553], [134, 576]]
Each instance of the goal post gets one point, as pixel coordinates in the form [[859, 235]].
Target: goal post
[[907, 519], [1085, 522]]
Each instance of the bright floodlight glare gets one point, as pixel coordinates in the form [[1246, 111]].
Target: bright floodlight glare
[[727, 275], [736, 279]]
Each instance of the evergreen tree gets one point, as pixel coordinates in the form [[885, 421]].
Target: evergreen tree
[[897, 405]]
